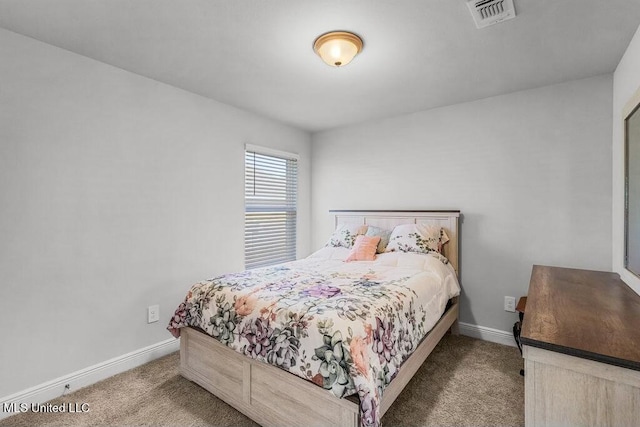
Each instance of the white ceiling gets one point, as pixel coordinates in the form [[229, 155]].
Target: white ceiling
[[257, 54]]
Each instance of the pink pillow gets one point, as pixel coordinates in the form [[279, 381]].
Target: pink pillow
[[364, 248]]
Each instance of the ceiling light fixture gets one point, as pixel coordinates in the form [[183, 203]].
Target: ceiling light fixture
[[337, 48]]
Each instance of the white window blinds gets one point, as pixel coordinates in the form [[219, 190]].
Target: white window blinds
[[270, 193]]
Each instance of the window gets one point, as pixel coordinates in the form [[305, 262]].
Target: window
[[270, 192]]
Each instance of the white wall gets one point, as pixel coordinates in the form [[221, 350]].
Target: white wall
[[116, 192], [626, 81], [530, 171]]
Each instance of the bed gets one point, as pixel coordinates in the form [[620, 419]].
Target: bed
[[317, 341]]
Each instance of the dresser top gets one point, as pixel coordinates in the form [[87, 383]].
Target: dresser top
[[583, 313]]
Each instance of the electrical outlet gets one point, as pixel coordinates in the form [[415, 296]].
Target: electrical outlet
[[153, 313], [510, 304]]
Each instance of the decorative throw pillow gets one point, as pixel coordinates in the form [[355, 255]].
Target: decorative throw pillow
[[435, 232], [345, 235], [383, 234], [364, 249], [418, 238]]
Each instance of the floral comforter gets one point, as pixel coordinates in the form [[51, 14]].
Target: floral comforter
[[347, 327]]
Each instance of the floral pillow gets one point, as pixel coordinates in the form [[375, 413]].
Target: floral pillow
[[382, 233], [418, 238], [345, 235], [364, 249]]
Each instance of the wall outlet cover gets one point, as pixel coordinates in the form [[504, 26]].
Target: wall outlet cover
[[153, 313], [510, 304]]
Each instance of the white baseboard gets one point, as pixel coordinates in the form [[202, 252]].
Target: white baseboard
[[84, 377], [487, 334]]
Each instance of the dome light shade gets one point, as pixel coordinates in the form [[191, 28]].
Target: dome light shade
[[337, 48]]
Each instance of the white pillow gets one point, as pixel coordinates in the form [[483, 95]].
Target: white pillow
[[345, 235], [420, 238]]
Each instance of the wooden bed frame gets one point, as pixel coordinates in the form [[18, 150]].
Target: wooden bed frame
[[274, 397]]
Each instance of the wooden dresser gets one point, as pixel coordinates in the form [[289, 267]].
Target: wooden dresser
[[581, 345]]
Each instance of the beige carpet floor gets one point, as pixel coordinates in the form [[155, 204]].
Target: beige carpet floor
[[464, 382]]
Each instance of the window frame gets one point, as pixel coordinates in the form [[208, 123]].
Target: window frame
[[272, 213]]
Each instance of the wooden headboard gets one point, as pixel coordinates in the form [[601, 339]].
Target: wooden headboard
[[389, 219]]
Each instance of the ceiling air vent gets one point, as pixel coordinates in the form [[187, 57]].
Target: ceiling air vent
[[489, 12]]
